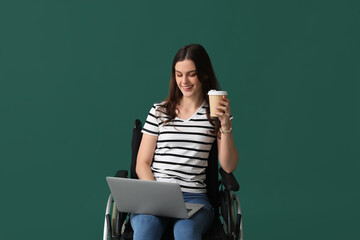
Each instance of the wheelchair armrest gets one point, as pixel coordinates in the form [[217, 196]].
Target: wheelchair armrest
[[229, 181], [121, 174]]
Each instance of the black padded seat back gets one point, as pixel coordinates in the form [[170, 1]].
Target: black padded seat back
[[212, 180], [135, 144]]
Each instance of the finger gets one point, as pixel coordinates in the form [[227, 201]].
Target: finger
[[224, 103], [223, 114], [220, 114], [222, 108], [226, 98]]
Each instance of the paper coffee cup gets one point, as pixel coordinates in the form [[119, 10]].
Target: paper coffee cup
[[214, 98]]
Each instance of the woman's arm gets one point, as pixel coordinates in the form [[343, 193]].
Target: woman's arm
[[145, 157], [228, 155]]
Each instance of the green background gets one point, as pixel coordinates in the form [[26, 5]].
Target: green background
[[75, 74]]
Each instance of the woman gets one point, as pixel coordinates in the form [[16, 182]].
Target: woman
[[176, 142]]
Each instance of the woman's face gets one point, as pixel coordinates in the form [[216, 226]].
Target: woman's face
[[187, 79]]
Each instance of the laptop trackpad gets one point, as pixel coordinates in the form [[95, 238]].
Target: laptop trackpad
[[192, 208]]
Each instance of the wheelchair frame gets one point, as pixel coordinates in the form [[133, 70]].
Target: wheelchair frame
[[230, 210]]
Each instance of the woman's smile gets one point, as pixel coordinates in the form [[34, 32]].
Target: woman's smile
[[187, 88]]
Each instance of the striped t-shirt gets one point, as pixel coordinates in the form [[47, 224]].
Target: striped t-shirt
[[182, 148]]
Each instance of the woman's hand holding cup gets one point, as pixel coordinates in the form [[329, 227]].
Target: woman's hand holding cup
[[220, 107]]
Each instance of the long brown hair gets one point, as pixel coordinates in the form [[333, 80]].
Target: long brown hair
[[205, 74]]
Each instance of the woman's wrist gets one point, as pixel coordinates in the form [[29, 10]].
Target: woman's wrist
[[227, 127], [224, 130]]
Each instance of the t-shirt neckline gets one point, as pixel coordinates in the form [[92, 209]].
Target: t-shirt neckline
[[196, 112]]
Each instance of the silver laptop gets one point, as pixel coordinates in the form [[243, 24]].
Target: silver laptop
[[150, 197]]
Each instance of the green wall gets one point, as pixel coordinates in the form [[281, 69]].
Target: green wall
[[75, 74]]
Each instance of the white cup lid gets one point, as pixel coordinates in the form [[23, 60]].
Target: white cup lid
[[215, 92]]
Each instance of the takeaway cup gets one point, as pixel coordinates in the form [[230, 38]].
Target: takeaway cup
[[214, 98]]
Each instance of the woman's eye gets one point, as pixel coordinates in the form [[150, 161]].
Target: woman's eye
[[179, 75], [193, 75]]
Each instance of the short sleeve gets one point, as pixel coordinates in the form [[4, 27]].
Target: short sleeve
[[151, 125]]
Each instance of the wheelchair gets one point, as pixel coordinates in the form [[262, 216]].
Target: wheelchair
[[227, 224]]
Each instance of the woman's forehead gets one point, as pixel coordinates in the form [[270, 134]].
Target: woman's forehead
[[185, 66]]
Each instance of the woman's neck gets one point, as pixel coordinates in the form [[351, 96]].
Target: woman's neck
[[190, 104]]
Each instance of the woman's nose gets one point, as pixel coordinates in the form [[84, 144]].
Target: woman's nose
[[185, 79]]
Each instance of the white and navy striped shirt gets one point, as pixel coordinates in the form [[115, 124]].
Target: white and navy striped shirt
[[182, 148]]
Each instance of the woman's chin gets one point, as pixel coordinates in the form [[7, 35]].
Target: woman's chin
[[187, 94]]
